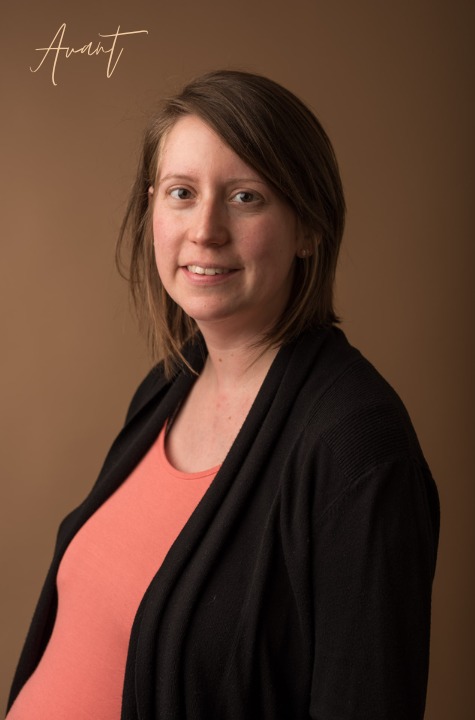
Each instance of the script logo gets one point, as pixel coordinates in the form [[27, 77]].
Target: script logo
[[56, 47]]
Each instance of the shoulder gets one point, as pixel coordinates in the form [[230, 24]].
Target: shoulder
[[355, 412], [156, 381], [153, 382], [357, 447]]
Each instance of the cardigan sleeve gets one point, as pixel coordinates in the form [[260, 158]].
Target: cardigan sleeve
[[372, 563]]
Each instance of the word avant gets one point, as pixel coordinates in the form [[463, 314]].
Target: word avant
[[56, 48]]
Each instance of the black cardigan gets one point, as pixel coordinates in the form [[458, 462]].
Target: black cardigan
[[300, 587]]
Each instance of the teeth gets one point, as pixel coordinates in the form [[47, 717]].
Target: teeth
[[198, 270]]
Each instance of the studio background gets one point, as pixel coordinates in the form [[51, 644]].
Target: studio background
[[392, 82]]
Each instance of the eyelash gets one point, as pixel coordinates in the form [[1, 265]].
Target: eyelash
[[253, 196]]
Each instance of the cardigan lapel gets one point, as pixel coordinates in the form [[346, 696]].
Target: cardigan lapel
[[151, 685]]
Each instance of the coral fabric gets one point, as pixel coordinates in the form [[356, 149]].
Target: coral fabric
[[101, 581]]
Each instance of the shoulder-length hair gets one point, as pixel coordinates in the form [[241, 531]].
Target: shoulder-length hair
[[277, 135]]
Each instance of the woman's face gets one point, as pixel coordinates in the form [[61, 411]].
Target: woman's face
[[225, 242]]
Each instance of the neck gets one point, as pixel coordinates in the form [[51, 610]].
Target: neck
[[237, 364]]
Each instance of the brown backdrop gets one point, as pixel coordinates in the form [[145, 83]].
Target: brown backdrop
[[392, 83]]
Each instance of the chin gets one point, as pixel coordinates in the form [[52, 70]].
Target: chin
[[208, 313]]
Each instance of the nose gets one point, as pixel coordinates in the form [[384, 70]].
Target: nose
[[209, 223]]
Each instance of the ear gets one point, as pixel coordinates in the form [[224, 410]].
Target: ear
[[304, 252], [150, 193], [305, 240]]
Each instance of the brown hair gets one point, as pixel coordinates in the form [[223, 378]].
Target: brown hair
[[278, 136]]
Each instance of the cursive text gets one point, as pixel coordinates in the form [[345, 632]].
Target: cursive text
[[56, 47]]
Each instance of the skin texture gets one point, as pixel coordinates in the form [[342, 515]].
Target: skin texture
[[213, 210]]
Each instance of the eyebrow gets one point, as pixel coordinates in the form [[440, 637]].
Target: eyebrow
[[192, 178]]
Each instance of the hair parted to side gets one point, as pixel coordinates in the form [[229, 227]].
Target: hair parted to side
[[273, 131]]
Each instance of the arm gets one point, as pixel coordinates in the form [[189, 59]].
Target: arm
[[373, 562]]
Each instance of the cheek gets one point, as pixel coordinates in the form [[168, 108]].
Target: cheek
[[276, 245], [167, 232], [165, 255], [157, 230], [160, 248]]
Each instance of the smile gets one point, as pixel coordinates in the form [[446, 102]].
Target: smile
[[198, 270]]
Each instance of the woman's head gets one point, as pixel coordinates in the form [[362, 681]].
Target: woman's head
[[274, 133]]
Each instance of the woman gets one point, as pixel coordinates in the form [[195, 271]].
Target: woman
[[261, 540]]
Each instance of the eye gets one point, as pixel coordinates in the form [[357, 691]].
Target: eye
[[180, 193], [246, 197]]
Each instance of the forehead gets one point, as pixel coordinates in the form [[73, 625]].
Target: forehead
[[188, 129], [192, 145]]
